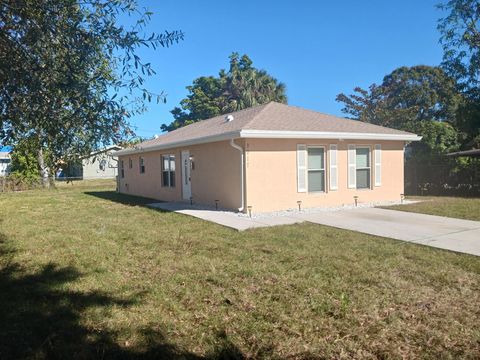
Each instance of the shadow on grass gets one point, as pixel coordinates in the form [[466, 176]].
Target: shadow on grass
[[40, 318], [124, 199]]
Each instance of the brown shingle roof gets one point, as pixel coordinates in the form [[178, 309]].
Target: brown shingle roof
[[271, 117]]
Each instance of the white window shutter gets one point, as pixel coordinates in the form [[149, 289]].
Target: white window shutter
[[352, 167], [301, 168], [333, 167], [378, 164]]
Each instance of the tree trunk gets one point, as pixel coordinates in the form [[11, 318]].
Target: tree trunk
[[44, 170]]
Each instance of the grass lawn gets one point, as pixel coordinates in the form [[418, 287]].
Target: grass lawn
[[86, 273], [455, 207]]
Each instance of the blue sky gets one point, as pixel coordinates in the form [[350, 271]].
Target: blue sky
[[317, 48]]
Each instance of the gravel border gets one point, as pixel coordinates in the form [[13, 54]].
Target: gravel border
[[314, 210]]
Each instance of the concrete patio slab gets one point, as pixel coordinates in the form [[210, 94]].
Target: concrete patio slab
[[436, 231]]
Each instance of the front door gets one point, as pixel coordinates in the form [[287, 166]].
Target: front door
[[186, 180]]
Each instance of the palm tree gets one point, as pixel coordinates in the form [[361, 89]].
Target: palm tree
[[246, 86]]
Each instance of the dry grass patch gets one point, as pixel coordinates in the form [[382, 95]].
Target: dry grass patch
[[90, 273], [455, 207]]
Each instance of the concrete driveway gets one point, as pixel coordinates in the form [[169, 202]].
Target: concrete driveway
[[436, 231]]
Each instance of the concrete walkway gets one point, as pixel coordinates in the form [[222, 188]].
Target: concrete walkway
[[230, 219], [436, 231]]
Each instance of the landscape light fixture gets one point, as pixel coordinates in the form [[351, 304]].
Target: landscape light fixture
[[299, 203]]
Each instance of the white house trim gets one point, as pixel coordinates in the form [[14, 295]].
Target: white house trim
[[280, 134], [171, 145], [271, 134]]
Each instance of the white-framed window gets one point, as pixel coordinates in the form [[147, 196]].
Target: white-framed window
[[363, 167], [130, 163], [168, 170], [122, 171], [316, 168], [141, 165]]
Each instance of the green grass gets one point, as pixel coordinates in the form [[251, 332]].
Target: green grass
[[455, 207], [86, 273]]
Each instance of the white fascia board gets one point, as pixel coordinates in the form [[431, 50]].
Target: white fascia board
[[277, 134], [270, 134], [202, 140]]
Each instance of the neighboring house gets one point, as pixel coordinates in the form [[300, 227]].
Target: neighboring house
[[269, 158], [5, 161], [100, 164]]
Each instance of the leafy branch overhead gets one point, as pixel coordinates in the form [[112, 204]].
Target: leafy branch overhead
[[240, 87], [70, 76]]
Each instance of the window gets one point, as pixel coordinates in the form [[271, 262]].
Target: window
[[362, 162], [122, 171], [316, 169], [102, 165], [130, 163], [168, 170], [141, 163]]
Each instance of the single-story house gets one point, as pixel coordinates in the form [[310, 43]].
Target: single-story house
[[99, 164], [269, 158], [5, 161]]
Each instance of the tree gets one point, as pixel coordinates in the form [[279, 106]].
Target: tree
[[460, 38], [24, 161], [132, 142], [241, 87], [365, 105], [411, 99], [69, 74]]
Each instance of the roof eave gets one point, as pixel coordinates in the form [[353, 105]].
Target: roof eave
[[171, 145], [270, 134], [277, 134]]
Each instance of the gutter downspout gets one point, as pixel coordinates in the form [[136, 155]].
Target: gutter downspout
[[239, 148]]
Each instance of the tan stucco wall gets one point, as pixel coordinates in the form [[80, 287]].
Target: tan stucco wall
[[271, 175], [216, 175]]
